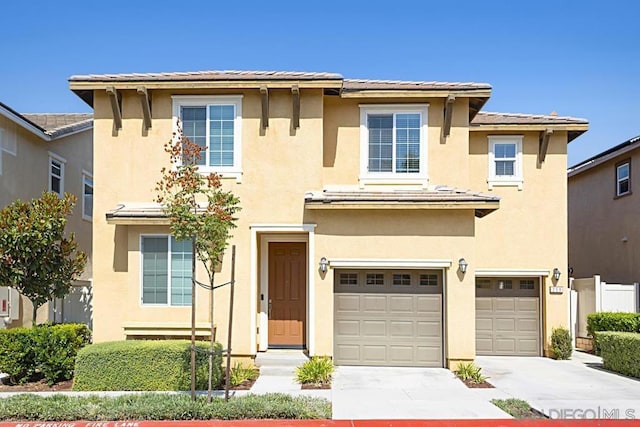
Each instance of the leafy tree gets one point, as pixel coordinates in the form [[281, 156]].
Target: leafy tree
[[36, 258], [198, 210]]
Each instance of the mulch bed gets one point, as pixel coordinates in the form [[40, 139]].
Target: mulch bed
[[315, 387], [37, 384], [471, 384]]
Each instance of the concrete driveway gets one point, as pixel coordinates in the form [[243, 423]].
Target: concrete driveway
[[576, 388], [408, 393]]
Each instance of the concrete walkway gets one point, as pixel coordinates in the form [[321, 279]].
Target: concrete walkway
[[408, 393], [576, 388]]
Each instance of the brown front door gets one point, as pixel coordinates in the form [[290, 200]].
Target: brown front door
[[287, 295]]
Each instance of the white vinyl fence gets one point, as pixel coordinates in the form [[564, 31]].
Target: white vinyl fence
[[591, 295]]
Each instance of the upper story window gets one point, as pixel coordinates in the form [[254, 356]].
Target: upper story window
[[7, 145], [393, 144], [56, 174], [87, 196], [623, 178], [166, 271], [505, 161], [214, 123]]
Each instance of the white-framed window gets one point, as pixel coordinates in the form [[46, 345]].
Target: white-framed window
[[7, 145], [87, 196], [393, 143], [165, 270], [505, 161], [623, 178], [214, 123], [56, 174]]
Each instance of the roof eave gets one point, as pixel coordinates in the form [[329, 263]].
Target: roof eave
[[415, 93], [574, 130], [481, 208]]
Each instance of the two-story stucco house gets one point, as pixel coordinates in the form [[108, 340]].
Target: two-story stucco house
[[383, 222], [604, 237], [49, 152]]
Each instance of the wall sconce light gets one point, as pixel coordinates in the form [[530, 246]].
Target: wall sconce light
[[556, 274], [324, 265], [462, 265]]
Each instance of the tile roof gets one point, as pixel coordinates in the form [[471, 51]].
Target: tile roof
[[440, 194], [209, 75], [364, 84], [59, 124], [491, 118]]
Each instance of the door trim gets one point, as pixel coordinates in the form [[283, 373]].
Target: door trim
[[261, 235]]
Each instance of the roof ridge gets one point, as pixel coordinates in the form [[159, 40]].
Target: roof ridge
[[325, 74]]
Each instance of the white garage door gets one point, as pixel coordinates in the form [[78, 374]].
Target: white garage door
[[388, 318], [508, 316]]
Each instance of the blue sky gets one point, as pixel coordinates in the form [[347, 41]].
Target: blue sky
[[579, 58]]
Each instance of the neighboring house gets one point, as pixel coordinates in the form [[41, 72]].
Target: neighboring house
[[604, 235], [439, 226], [48, 152]]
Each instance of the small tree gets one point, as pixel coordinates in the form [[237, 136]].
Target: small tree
[[199, 210], [36, 258]]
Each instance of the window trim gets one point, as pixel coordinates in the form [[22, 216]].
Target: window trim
[[515, 180], [180, 101], [87, 176], [618, 165], [141, 289], [368, 178], [63, 162]]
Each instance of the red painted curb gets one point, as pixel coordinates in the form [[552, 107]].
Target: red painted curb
[[330, 423]]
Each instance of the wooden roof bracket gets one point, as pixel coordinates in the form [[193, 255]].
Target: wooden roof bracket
[[295, 92], [448, 113], [116, 106], [545, 135], [264, 95], [145, 101]]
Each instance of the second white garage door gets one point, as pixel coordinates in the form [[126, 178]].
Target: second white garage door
[[388, 318]]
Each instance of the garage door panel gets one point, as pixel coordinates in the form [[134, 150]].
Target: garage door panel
[[403, 329], [504, 325], [347, 303], [348, 327], [507, 320], [373, 303], [374, 353], [393, 326], [504, 304], [401, 304], [374, 328], [429, 304]]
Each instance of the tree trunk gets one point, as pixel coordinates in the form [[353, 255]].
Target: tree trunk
[[213, 338], [34, 314]]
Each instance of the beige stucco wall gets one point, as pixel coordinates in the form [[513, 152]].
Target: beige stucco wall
[[26, 175], [529, 229], [281, 164], [599, 221]]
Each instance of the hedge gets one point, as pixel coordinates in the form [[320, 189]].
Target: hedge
[[48, 349], [160, 406], [620, 352], [145, 366], [611, 321]]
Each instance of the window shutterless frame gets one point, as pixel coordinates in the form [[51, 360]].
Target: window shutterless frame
[[87, 196], [182, 101], [394, 176], [495, 179], [623, 178], [169, 302], [56, 165]]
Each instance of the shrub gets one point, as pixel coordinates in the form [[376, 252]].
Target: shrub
[[468, 371], [620, 352], [17, 355], [48, 349], [561, 343], [145, 366], [160, 406], [240, 373], [316, 371], [614, 322], [517, 408]]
